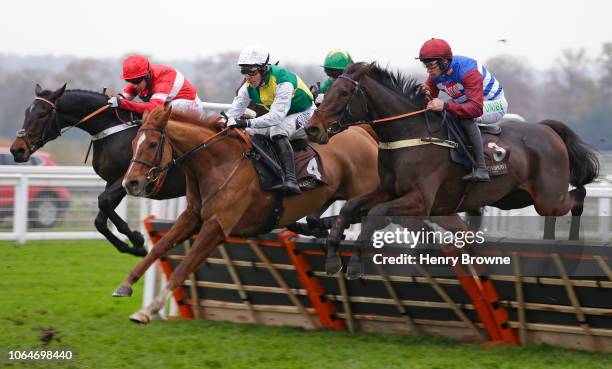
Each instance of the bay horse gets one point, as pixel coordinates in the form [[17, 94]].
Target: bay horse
[[420, 180], [52, 112], [224, 196]]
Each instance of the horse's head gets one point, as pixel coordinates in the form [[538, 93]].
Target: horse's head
[[152, 155], [343, 105], [40, 124]]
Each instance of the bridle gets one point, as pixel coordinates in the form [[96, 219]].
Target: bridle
[[340, 124], [155, 170], [43, 139]]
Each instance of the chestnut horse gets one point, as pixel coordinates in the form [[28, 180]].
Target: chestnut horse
[[223, 192], [420, 180]]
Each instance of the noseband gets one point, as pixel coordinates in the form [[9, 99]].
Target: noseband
[[339, 124], [155, 169], [41, 141]]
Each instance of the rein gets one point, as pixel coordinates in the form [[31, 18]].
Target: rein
[[337, 125], [32, 147], [157, 169]]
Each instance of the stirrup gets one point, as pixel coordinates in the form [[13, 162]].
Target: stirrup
[[477, 175]]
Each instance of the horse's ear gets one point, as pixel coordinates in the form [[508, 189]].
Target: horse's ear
[[362, 71], [145, 115], [58, 93], [38, 90]]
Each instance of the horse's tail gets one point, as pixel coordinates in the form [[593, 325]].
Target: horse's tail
[[584, 164]]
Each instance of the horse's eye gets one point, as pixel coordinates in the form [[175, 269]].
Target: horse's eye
[[42, 114], [344, 93], [152, 145]]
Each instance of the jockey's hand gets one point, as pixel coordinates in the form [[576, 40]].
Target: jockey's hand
[[436, 104], [315, 89], [115, 101], [427, 92], [319, 99], [238, 123]]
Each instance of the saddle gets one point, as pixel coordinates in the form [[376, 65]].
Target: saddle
[[496, 151], [308, 164]]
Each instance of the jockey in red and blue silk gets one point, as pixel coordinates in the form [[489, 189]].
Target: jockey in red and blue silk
[[156, 85], [476, 96]]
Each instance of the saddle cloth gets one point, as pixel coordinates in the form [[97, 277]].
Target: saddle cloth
[[308, 164], [496, 151]]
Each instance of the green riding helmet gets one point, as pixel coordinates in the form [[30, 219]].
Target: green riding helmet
[[337, 59]]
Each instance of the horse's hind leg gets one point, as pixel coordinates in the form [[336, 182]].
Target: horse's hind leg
[[350, 213], [105, 199], [578, 194], [184, 227]]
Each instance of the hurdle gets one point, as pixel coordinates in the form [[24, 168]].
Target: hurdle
[[279, 279]]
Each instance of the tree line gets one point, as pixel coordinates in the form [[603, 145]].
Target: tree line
[[576, 89]]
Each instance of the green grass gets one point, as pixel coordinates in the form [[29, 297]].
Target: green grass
[[67, 286]]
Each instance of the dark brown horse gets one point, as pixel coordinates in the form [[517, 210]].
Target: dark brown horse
[[223, 192], [54, 112], [420, 180]]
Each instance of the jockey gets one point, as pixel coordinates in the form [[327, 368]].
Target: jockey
[[335, 62], [285, 96], [156, 85], [476, 96]]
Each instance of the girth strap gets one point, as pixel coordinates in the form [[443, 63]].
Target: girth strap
[[416, 142]]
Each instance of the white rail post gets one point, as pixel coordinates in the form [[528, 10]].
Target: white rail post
[[603, 214], [20, 212]]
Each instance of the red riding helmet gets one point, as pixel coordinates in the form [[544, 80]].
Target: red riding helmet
[[435, 49], [135, 66]]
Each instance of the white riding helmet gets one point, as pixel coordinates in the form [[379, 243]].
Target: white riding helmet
[[254, 55]]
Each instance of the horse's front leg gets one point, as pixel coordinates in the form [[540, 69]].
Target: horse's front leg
[[107, 202], [186, 225], [350, 213], [209, 237], [412, 203]]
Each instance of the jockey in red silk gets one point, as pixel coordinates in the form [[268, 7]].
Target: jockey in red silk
[[476, 96], [156, 85]]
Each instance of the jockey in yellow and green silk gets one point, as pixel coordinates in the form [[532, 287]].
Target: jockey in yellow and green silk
[[284, 95]]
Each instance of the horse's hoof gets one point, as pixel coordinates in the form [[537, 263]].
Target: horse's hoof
[[137, 240], [140, 317], [123, 291], [333, 265], [142, 252], [354, 270]]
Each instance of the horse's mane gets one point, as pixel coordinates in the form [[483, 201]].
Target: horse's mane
[[154, 119], [405, 86], [47, 93]]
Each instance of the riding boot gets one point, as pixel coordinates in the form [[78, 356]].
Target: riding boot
[[479, 171], [285, 154]]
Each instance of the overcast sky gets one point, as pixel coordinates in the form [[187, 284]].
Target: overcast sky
[[303, 31]]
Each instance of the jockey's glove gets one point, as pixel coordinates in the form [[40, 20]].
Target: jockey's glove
[[238, 123], [115, 101]]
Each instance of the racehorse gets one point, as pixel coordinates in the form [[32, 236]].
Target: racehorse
[[223, 192], [112, 132], [418, 179]]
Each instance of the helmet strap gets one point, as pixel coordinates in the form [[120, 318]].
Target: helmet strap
[[444, 65]]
